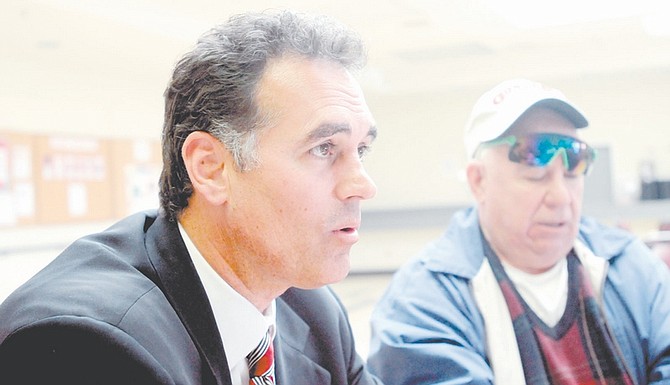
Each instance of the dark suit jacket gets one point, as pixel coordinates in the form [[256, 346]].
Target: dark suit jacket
[[126, 306]]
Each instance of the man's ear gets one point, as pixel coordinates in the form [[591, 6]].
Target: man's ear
[[204, 158], [475, 172]]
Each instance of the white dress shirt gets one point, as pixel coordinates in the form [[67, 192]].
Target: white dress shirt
[[240, 324]]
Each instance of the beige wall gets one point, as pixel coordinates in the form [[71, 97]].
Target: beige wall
[[418, 158]]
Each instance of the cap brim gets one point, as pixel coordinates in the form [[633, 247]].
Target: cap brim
[[569, 111]]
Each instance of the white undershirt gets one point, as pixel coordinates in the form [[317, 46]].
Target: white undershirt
[[240, 324], [546, 293]]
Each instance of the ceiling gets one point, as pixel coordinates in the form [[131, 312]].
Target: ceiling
[[82, 66], [414, 45], [106, 63]]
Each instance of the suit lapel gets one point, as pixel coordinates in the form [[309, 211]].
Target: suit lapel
[[293, 365], [181, 285]]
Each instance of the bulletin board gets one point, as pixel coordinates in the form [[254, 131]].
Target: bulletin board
[[54, 179], [73, 179], [136, 169], [17, 179]]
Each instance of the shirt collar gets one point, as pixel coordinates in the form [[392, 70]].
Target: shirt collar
[[241, 329]]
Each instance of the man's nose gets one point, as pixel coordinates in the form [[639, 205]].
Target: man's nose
[[356, 183]]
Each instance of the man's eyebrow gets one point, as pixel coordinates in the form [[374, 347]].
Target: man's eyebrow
[[372, 132], [329, 129]]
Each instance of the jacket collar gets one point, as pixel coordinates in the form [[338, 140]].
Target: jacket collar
[[459, 251], [292, 363], [182, 287], [179, 281]]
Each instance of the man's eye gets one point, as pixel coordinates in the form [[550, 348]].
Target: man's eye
[[323, 150], [534, 173], [363, 150]]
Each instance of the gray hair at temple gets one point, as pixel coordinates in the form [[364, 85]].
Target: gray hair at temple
[[214, 86]]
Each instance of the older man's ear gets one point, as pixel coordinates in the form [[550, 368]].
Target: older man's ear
[[475, 173]]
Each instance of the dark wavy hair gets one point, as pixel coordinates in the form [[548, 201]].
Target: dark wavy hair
[[213, 87]]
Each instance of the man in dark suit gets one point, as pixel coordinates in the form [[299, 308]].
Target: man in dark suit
[[264, 134]]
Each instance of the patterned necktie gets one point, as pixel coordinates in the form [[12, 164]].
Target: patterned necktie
[[261, 363]]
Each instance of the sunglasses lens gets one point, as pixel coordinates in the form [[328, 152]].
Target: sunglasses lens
[[540, 149]]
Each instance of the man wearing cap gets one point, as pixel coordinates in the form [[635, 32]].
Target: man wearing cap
[[521, 288]]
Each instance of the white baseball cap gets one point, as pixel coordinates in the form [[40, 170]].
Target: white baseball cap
[[496, 110]]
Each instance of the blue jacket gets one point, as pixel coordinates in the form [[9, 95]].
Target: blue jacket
[[428, 327]]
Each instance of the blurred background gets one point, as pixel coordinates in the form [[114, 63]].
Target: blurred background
[[81, 84]]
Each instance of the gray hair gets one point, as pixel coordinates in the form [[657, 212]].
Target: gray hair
[[214, 86]]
